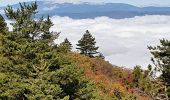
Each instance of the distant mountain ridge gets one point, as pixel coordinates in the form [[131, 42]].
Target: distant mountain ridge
[[86, 10]]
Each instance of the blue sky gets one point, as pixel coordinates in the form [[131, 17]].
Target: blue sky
[[133, 2]]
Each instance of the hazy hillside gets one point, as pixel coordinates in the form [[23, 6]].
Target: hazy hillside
[[86, 10], [34, 67]]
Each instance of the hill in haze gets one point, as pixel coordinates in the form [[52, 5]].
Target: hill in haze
[[33, 67], [86, 10]]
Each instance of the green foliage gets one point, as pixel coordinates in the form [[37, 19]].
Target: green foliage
[[30, 66], [86, 45], [3, 25], [25, 25], [161, 59], [145, 82], [137, 73], [65, 46], [33, 68]]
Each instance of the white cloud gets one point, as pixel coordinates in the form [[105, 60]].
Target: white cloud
[[123, 41], [84, 1], [49, 8], [9, 25], [67, 1], [2, 11]]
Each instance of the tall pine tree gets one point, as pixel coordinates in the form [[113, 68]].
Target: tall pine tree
[[87, 45]]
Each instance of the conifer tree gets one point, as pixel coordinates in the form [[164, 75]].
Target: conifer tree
[[137, 73], [87, 45], [25, 24], [31, 69], [65, 46], [161, 59], [3, 25]]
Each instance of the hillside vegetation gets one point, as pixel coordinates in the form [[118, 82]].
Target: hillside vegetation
[[33, 67]]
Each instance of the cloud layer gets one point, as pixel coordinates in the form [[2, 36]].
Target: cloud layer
[[123, 42], [1, 11]]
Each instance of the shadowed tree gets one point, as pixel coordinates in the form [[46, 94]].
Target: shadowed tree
[[87, 45], [137, 74], [65, 46], [31, 68], [24, 23], [161, 59], [3, 25]]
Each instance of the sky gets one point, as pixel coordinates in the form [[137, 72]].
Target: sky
[[133, 2]]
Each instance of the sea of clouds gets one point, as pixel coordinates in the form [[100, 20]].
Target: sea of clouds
[[1, 11], [122, 41]]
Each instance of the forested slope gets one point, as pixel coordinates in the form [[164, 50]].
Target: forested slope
[[33, 67]]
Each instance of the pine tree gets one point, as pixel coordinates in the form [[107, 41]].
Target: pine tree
[[31, 68], [3, 25], [161, 59], [137, 74], [65, 46], [25, 24], [86, 45]]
